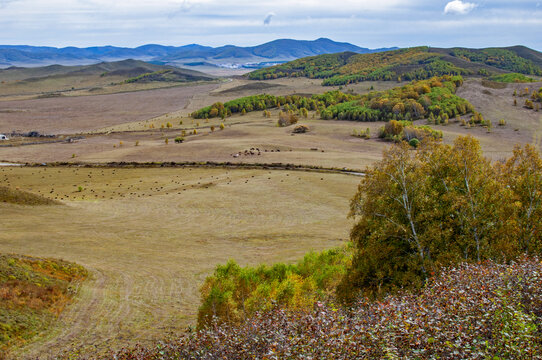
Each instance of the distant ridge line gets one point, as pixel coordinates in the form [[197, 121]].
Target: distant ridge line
[[276, 50]]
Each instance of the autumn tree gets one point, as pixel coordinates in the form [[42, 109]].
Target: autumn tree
[[470, 193], [419, 210], [522, 173], [390, 232]]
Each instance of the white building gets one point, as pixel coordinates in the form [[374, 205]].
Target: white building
[[3, 137]]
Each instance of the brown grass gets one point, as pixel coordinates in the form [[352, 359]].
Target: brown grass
[[68, 115], [150, 236], [242, 133]]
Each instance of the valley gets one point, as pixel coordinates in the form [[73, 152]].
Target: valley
[[161, 231], [149, 197]]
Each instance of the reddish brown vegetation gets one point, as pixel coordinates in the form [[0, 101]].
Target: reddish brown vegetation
[[471, 311], [33, 292]]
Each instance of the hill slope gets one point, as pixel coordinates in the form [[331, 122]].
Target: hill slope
[[15, 196], [408, 64], [462, 314], [34, 293], [103, 78], [127, 68]]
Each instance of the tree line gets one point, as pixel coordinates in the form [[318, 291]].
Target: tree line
[[417, 100]]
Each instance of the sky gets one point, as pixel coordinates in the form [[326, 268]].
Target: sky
[[366, 23]]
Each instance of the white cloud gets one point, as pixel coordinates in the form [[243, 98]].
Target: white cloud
[[242, 22], [5, 2], [458, 7]]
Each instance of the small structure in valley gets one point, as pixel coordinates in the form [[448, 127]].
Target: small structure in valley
[[3, 137]]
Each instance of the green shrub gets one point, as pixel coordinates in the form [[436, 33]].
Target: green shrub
[[232, 293], [512, 78], [414, 142]]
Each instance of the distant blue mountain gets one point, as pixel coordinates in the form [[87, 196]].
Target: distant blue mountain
[[274, 51]]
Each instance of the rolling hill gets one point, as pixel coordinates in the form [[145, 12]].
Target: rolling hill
[[274, 51], [408, 64], [102, 78], [126, 68]]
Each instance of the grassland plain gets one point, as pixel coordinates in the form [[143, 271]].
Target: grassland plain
[[149, 237], [161, 231], [117, 142], [68, 115]]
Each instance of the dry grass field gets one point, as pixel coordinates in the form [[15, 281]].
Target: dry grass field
[[111, 120], [68, 115], [113, 124], [150, 236]]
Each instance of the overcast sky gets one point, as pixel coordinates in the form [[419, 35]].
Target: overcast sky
[[367, 23]]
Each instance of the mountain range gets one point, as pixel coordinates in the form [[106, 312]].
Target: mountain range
[[277, 51]]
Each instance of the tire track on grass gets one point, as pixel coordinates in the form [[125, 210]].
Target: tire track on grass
[[73, 321]]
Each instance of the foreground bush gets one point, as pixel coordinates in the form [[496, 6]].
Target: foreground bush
[[232, 293], [486, 311]]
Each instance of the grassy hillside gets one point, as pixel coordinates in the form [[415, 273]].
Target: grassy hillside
[[103, 78], [511, 78], [168, 75], [407, 64], [33, 292], [445, 265], [162, 230], [15, 196], [501, 58]]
